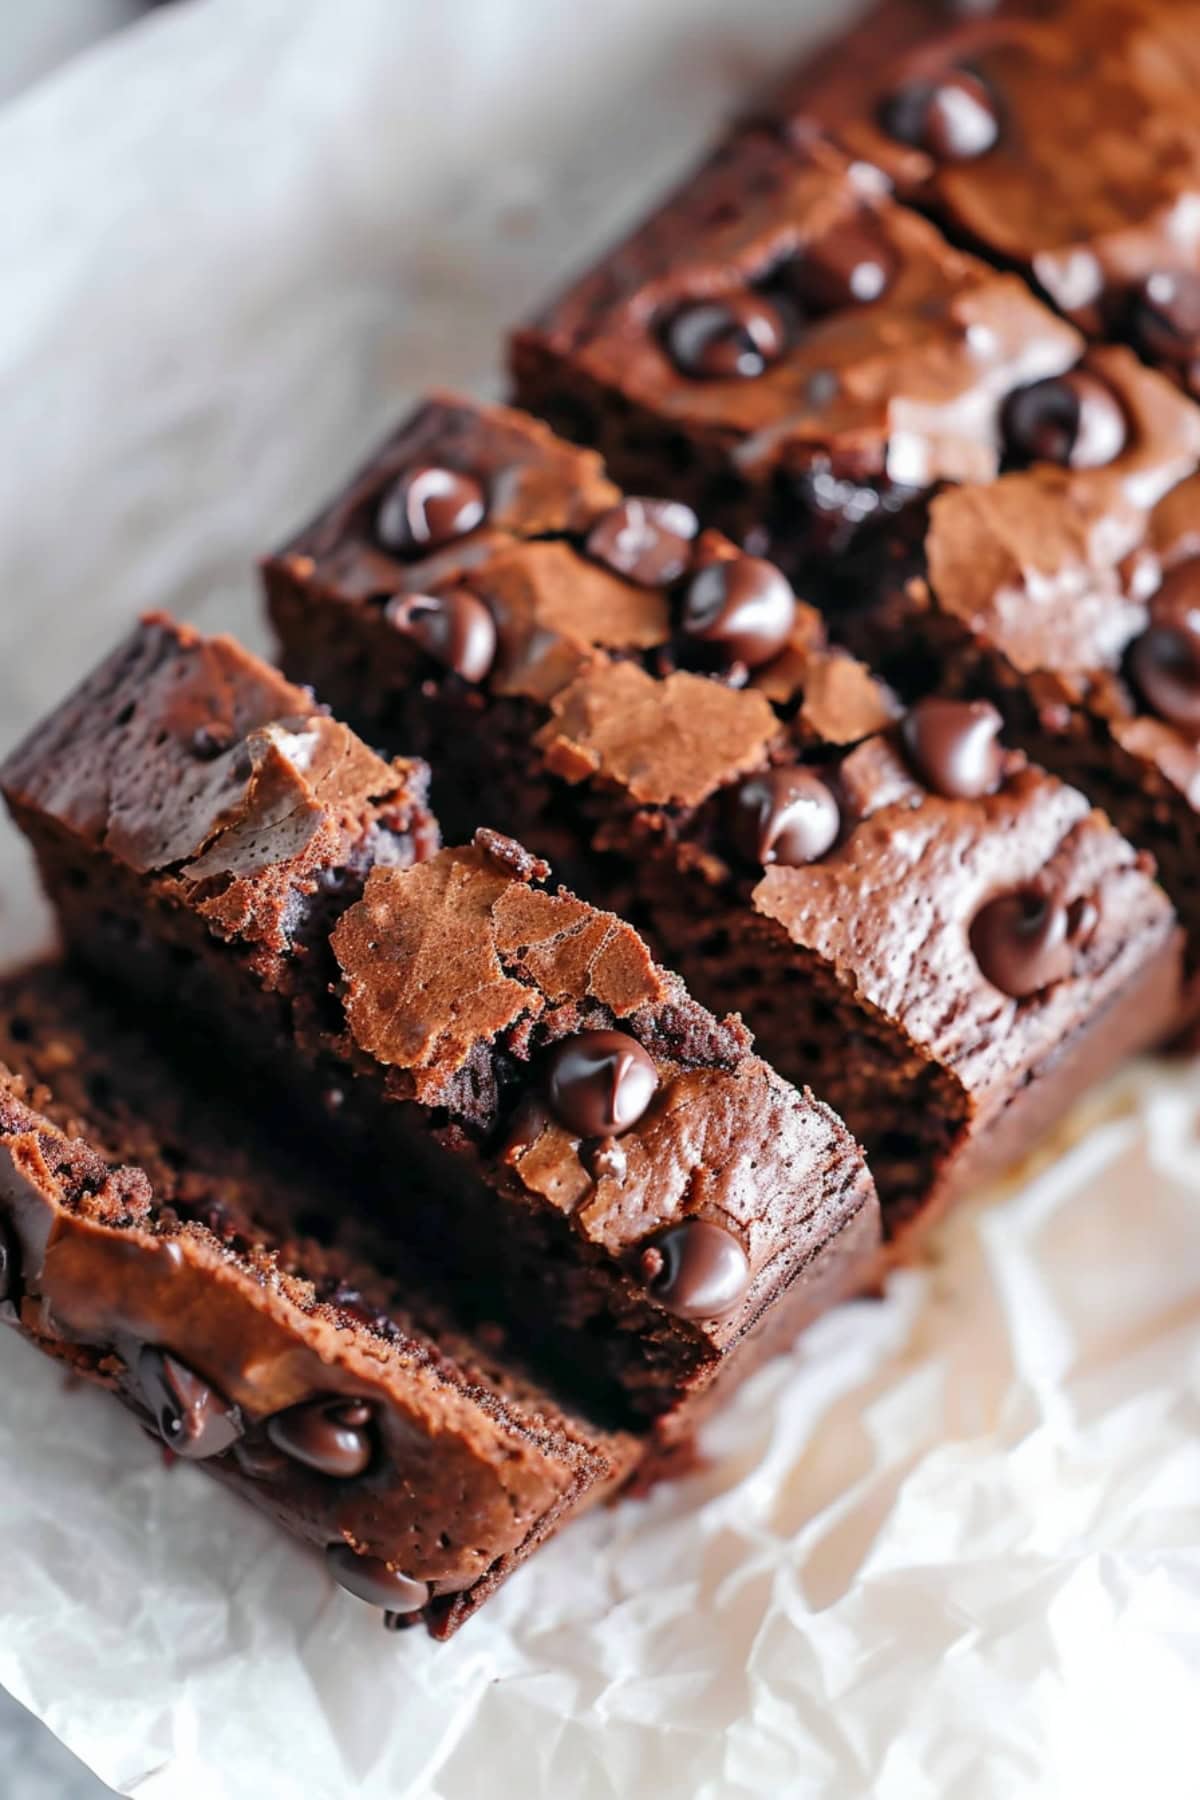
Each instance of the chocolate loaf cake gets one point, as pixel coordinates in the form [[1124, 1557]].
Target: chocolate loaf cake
[[160, 1243], [553, 1120], [944, 939]]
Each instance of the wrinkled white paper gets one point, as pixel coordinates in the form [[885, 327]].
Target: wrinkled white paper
[[950, 1549]]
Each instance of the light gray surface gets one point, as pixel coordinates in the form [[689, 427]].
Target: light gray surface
[[36, 1766]]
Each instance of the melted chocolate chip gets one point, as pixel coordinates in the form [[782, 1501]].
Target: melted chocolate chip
[[744, 606], [954, 746], [849, 267], [1074, 420], [953, 118], [331, 1435], [428, 506], [369, 1578], [786, 816], [8, 1265], [1022, 942], [647, 541], [737, 336], [455, 629], [193, 1420], [1165, 660], [600, 1083], [697, 1270], [1165, 321]]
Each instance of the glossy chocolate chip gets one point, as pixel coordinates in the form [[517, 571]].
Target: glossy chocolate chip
[[193, 1419], [954, 746], [331, 1435], [647, 541], [8, 1264], [849, 267], [428, 506], [697, 1270], [737, 336], [1022, 942], [599, 1083], [455, 629], [371, 1579], [1074, 420], [1165, 660], [744, 606], [1166, 319], [786, 816], [953, 118]]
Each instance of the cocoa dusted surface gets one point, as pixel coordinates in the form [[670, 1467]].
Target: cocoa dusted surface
[[166, 1246], [424, 999]]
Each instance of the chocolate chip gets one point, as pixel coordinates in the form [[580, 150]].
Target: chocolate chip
[[371, 1579], [1165, 660], [600, 1083], [953, 118], [697, 1270], [738, 335], [454, 628], [647, 541], [849, 267], [8, 1264], [1074, 420], [331, 1435], [786, 816], [428, 506], [193, 1419], [1022, 942], [1165, 319], [954, 746], [743, 605]]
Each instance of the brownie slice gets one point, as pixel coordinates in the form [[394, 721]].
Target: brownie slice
[[1070, 596], [1061, 138], [946, 941], [577, 1143], [788, 351], [162, 1245]]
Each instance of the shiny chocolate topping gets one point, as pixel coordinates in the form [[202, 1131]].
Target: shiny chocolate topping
[[737, 336], [1165, 322], [193, 1420], [954, 746], [1022, 942], [744, 606], [786, 816], [1074, 420], [953, 118], [455, 629], [369, 1578], [600, 1083], [331, 1435], [647, 541], [1165, 660], [696, 1269], [428, 506]]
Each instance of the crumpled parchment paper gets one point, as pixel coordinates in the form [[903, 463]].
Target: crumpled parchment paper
[[950, 1548]]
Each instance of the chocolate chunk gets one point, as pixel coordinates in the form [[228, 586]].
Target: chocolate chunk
[[428, 506], [1074, 420], [600, 1082], [8, 1265], [455, 629], [696, 1269], [786, 816], [953, 118], [1022, 942], [1166, 319], [1165, 660], [192, 1418], [849, 267], [647, 541], [369, 1578], [331, 1435], [954, 746], [738, 335], [744, 605]]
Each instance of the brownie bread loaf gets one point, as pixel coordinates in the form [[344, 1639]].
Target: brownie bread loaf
[[159, 1243], [942, 938], [575, 1141], [787, 350]]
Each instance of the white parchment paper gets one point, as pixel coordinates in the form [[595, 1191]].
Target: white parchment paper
[[951, 1547]]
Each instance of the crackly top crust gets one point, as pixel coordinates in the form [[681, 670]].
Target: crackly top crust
[[906, 387], [188, 759], [891, 905], [1057, 569], [1094, 180], [458, 974]]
